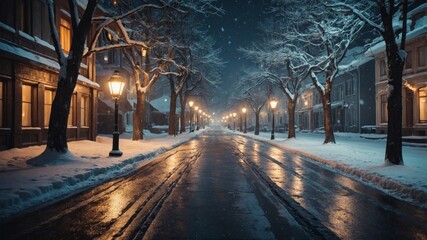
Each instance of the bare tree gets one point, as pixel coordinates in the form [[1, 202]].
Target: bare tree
[[389, 11], [324, 39], [147, 31], [255, 89], [284, 67], [67, 79]]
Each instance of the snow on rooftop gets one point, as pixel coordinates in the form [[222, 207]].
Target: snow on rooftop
[[162, 104], [40, 59], [354, 58], [419, 29]]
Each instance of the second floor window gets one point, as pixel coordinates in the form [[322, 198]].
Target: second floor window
[[383, 69], [408, 60], [422, 52], [349, 87], [65, 35]]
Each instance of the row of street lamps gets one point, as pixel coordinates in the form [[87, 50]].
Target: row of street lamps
[[273, 105], [200, 113], [116, 85]]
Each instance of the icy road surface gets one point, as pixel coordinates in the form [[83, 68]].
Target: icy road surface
[[229, 187]]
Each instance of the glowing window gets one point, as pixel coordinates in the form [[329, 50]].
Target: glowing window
[[422, 100], [65, 35]]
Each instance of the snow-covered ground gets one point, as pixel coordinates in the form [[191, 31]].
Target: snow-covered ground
[[361, 156], [23, 186]]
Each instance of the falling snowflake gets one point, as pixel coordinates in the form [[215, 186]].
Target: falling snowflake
[[222, 29], [235, 19], [229, 42]]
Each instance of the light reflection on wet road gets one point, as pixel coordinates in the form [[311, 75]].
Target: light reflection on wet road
[[225, 186], [350, 209]]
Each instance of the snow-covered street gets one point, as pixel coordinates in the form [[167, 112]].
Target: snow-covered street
[[218, 185], [23, 186]]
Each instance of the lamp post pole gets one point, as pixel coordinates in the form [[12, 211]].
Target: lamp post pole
[[244, 114], [273, 104], [234, 121], [272, 130], [115, 151], [191, 105], [116, 85]]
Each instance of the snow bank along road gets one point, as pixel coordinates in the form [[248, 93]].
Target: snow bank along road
[[225, 186]]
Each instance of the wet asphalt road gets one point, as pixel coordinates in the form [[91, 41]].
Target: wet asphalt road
[[222, 186]]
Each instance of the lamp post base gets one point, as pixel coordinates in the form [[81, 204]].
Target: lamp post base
[[272, 136], [115, 153]]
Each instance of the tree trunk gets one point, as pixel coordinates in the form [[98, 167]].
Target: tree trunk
[[291, 112], [329, 131], [257, 123], [393, 152], [57, 134], [172, 114], [138, 117]]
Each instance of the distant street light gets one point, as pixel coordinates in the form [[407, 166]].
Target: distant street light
[[191, 105], [234, 121], [116, 84], [273, 105], [244, 114]]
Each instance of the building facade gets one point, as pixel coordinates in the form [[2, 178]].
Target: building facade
[[414, 92], [352, 98], [29, 75]]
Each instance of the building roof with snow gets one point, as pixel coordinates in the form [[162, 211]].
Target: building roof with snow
[[162, 104], [416, 29]]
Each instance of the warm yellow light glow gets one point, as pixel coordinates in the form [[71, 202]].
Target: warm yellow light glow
[[243, 110], [234, 114], [273, 103], [197, 108], [116, 85], [190, 103]]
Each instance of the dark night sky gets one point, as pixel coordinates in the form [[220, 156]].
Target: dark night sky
[[238, 27]]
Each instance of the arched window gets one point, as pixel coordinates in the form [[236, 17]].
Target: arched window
[[422, 102]]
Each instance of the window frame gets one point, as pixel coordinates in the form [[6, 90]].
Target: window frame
[[420, 98], [383, 67], [408, 61], [422, 58], [72, 112], [65, 34], [384, 108], [32, 106], [84, 111], [46, 118]]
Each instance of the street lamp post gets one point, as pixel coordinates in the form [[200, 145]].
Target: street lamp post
[[116, 85], [244, 114], [190, 103], [234, 121], [273, 105]]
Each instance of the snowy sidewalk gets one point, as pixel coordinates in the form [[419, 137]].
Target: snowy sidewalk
[[23, 186], [363, 159]]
